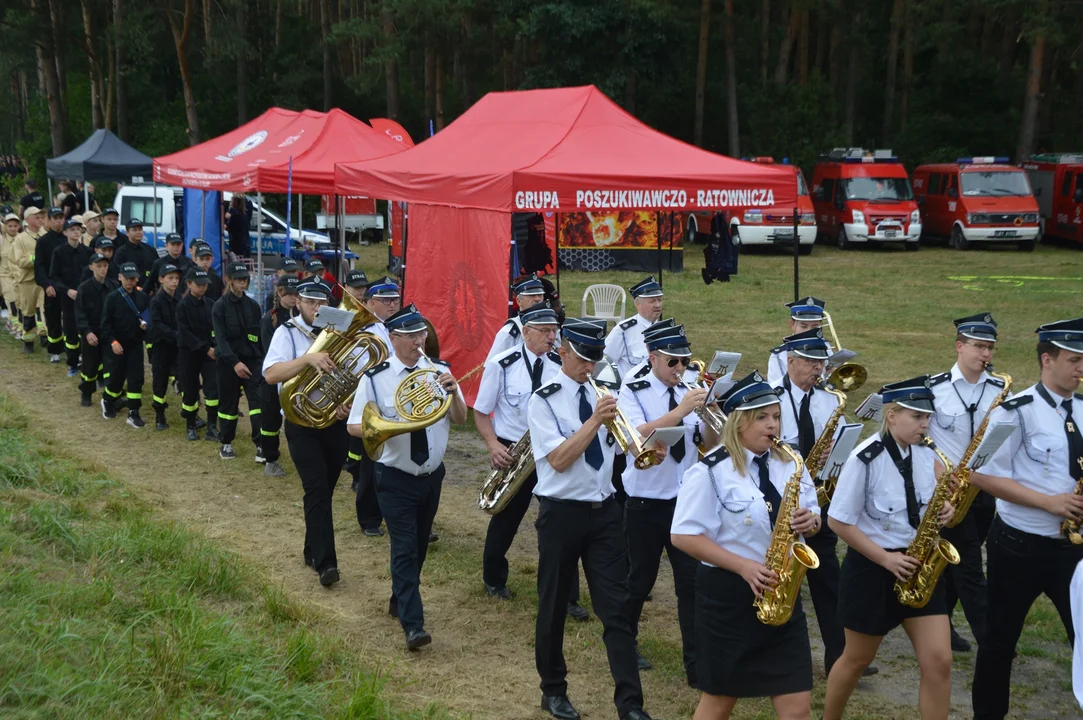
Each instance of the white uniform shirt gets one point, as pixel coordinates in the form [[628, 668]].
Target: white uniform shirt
[[1075, 595], [821, 405], [641, 370], [950, 425], [624, 345], [778, 367], [643, 404], [289, 343], [872, 495], [553, 417], [729, 509], [380, 330], [1035, 456], [378, 385], [506, 338], [505, 389]]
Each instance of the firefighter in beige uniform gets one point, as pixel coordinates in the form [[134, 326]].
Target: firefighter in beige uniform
[[28, 295]]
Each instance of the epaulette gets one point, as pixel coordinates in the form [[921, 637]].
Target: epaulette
[[554, 356], [712, 459], [506, 361], [513, 329], [643, 371], [628, 324], [777, 350], [640, 385], [443, 363], [995, 382], [1078, 396], [1017, 402], [549, 389], [377, 368], [869, 454], [937, 379]]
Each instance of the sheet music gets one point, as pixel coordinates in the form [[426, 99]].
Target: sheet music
[[870, 409], [666, 436], [846, 438], [337, 318], [723, 364], [995, 435], [719, 388]]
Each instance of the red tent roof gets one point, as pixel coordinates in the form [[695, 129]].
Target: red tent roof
[[563, 149], [256, 156]]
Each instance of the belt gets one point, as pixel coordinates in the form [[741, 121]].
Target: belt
[[1018, 535], [654, 502], [410, 474], [591, 504]]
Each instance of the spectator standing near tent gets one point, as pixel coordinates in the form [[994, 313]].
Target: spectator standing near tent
[[237, 217], [33, 198]]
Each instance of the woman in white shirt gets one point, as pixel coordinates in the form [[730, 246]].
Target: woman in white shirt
[[878, 504], [724, 517]]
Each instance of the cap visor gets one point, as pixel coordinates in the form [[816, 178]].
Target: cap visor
[[650, 294], [758, 401], [924, 405], [590, 354], [684, 351], [410, 329], [813, 354], [984, 337], [129, 275], [807, 317], [1074, 346]]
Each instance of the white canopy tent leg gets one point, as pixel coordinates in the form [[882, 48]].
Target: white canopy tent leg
[[86, 197], [259, 248], [50, 198]]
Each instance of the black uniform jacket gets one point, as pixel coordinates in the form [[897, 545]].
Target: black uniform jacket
[[43, 256], [236, 329], [90, 303], [143, 255], [163, 319], [67, 266], [195, 331], [119, 320]]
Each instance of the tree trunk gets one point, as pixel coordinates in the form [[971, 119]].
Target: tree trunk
[[97, 100], [908, 65], [121, 90], [701, 69], [1030, 98], [1045, 97], [430, 79], [207, 21], [111, 83], [240, 11], [802, 48], [391, 65], [823, 38], [850, 106], [56, 19], [439, 91], [50, 86], [731, 84], [834, 61], [782, 69], [892, 66], [765, 38], [325, 34], [181, 34]]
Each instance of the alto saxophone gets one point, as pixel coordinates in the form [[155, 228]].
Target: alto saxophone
[[928, 548], [844, 379], [1070, 528], [787, 556], [965, 491]]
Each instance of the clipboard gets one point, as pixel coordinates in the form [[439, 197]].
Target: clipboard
[[995, 436], [667, 436]]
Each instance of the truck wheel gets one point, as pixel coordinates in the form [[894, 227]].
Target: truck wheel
[[957, 240], [1027, 246], [913, 246], [842, 241], [805, 249]]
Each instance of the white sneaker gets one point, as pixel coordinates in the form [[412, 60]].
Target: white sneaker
[[54, 358], [226, 452]]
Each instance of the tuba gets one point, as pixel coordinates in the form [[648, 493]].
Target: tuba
[[312, 397], [419, 400], [504, 483], [787, 556], [844, 379]]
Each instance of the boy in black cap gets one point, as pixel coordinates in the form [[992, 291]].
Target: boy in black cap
[[110, 219], [288, 268], [124, 323], [89, 305], [163, 337], [313, 270], [65, 271], [137, 252], [43, 256], [195, 354], [285, 309], [239, 355], [105, 249], [204, 260], [356, 282], [174, 248]]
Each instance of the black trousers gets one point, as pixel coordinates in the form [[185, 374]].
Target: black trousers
[[1022, 566], [568, 531], [71, 330], [29, 319], [966, 581], [270, 424], [126, 369], [646, 531], [193, 366], [91, 367], [163, 365], [362, 470], [318, 456], [54, 327], [230, 386], [823, 586], [502, 530], [409, 503]]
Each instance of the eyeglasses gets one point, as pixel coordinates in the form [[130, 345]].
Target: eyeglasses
[[981, 347], [674, 360]]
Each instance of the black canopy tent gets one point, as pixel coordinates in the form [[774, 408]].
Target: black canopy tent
[[103, 156]]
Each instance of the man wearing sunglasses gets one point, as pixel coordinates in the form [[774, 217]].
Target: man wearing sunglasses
[[661, 400]]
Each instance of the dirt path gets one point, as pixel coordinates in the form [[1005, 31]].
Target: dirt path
[[482, 660]]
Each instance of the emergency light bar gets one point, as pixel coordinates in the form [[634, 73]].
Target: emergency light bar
[[860, 155], [986, 160], [1058, 158]]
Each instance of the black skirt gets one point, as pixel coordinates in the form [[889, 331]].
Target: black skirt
[[867, 600], [736, 654]]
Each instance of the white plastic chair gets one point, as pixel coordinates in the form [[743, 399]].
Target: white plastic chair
[[604, 299]]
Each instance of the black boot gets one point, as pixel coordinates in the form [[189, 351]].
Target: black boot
[[85, 401], [28, 347], [159, 419], [134, 420]]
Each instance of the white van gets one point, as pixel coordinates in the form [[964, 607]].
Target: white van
[[141, 201]]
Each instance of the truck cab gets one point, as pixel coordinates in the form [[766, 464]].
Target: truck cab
[[864, 196], [1057, 181], [979, 199]]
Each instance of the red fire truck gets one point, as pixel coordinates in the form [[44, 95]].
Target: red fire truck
[[1057, 181], [980, 199]]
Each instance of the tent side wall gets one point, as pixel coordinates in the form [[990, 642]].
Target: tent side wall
[[457, 264]]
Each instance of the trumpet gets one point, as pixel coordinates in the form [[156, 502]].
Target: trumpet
[[713, 418], [627, 437]]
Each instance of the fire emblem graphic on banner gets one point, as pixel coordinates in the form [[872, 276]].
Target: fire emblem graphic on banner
[[466, 318], [622, 230]]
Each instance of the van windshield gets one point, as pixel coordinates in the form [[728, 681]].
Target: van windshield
[[878, 189], [802, 188], [995, 183]]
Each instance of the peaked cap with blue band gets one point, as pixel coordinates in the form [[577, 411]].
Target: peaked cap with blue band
[[1065, 334], [586, 337], [914, 394], [809, 344], [385, 287], [314, 290], [529, 286], [540, 314], [406, 320], [977, 327], [646, 288], [749, 393], [671, 341], [808, 309]]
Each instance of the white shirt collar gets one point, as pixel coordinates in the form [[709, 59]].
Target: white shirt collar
[[643, 321], [299, 321], [957, 374], [531, 357], [398, 366]]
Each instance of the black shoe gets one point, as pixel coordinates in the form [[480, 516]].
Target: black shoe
[[108, 412], [200, 423], [159, 421], [353, 487], [870, 671], [212, 434], [28, 348], [85, 401], [642, 662], [192, 434], [417, 639], [374, 532], [134, 420], [649, 598], [636, 715], [329, 577], [577, 613], [501, 593], [259, 455], [559, 706], [958, 642], [433, 537], [393, 608]]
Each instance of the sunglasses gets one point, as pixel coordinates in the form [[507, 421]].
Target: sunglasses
[[674, 360]]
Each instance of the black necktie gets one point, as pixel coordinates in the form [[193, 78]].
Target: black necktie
[[535, 375], [594, 450], [1075, 442], [770, 492], [677, 451], [806, 431], [905, 467], [419, 441]]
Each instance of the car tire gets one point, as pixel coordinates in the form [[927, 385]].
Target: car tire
[[805, 249], [1027, 245], [842, 241], [957, 240], [913, 246]]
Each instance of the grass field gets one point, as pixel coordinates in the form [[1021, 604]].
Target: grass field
[[142, 577]]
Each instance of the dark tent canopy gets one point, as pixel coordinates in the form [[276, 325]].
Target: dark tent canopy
[[103, 157]]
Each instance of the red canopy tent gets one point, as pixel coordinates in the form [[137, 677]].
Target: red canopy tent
[[536, 150]]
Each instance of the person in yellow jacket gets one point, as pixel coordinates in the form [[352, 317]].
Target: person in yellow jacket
[[27, 291], [8, 231]]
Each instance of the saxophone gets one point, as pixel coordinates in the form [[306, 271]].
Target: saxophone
[[787, 556], [848, 377], [1070, 528], [504, 483], [928, 548], [965, 491]]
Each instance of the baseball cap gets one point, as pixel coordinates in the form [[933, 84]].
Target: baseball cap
[[72, 222], [173, 238], [129, 270], [199, 276], [54, 211], [237, 271], [97, 257]]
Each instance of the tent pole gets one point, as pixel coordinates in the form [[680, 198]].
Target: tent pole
[[796, 255], [658, 232], [340, 221], [259, 248], [202, 213], [556, 252], [402, 265], [49, 204], [154, 204], [299, 225], [86, 198], [512, 262]]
